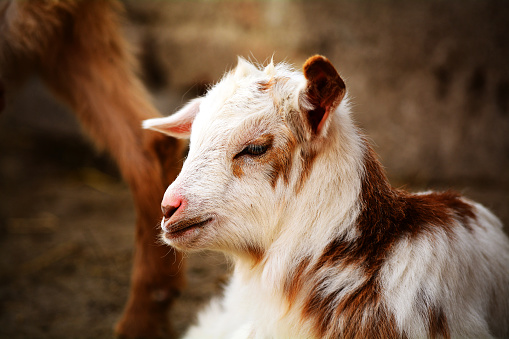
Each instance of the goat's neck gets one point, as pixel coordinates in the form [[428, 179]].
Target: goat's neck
[[326, 206], [329, 201]]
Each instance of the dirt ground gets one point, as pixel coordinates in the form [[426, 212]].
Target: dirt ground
[[67, 219]]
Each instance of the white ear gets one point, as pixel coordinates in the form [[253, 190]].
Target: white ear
[[178, 124]]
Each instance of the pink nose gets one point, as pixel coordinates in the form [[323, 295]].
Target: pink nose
[[170, 205]]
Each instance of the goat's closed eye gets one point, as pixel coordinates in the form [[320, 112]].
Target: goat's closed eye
[[256, 149], [253, 150]]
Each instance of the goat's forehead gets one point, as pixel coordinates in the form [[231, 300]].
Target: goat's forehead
[[252, 100], [233, 122], [236, 110]]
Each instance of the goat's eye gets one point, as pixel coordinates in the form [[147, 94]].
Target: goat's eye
[[256, 149], [253, 150]]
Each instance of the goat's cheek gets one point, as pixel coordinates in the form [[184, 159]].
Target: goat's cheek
[[244, 167], [251, 194]]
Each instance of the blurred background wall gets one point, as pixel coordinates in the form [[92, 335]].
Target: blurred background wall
[[429, 82]]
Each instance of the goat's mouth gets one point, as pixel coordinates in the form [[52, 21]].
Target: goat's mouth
[[176, 230]]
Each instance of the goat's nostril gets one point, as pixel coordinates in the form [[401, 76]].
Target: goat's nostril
[[168, 211], [171, 203]]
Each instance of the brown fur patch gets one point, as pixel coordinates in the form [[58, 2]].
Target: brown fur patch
[[265, 86], [361, 313], [308, 152], [308, 155], [295, 281], [437, 321], [257, 253], [398, 213], [237, 168], [387, 215], [438, 327], [281, 161]]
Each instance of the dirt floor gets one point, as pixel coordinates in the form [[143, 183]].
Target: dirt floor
[[67, 219], [66, 249]]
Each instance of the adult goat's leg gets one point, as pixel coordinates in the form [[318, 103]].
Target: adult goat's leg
[[77, 48]]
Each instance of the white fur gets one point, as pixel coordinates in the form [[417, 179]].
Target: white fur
[[458, 272]]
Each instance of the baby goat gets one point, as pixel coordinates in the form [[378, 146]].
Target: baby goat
[[279, 178]]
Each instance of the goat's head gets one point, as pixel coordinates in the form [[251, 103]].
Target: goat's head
[[253, 138]]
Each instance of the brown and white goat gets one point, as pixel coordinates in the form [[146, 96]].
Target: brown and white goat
[[78, 50], [279, 178]]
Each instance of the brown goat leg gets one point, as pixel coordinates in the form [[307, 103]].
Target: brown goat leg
[[157, 271], [77, 48]]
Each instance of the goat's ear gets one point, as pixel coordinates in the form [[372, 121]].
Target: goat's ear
[[324, 91], [178, 124]]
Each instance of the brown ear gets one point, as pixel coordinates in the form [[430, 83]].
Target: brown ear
[[325, 90]]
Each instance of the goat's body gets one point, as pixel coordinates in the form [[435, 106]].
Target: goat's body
[[443, 276], [279, 178]]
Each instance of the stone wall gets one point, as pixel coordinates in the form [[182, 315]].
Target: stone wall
[[429, 80]]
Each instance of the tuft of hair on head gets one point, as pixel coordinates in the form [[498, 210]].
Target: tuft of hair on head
[[270, 69], [244, 68]]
